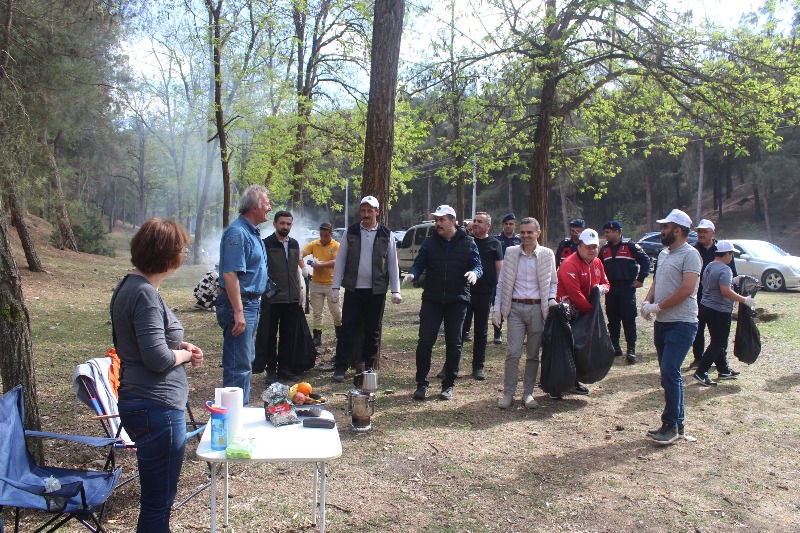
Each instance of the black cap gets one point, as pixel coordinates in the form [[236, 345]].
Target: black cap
[[326, 226], [613, 224], [577, 223], [508, 217]]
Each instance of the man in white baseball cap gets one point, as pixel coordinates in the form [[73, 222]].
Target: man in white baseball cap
[[672, 299], [366, 267]]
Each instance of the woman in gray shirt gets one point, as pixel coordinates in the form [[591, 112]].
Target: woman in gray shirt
[[716, 307], [153, 387]]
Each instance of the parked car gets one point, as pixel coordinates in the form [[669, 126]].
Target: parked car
[[408, 248], [651, 243], [776, 269], [338, 234], [398, 236]]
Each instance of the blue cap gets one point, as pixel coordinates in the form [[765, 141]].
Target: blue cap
[[577, 223], [508, 217], [613, 224]]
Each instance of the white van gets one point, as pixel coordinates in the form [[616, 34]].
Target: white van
[[408, 248]]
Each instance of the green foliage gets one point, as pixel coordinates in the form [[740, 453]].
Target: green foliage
[[90, 231]]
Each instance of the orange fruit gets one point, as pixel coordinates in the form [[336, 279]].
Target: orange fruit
[[304, 387]]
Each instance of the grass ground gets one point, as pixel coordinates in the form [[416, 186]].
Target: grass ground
[[582, 464]]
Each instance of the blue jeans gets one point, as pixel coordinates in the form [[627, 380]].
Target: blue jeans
[[673, 341], [160, 436], [238, 352]]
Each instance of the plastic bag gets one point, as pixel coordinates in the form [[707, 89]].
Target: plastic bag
[[747, 340], [593, 351], [558, 367], [277, 407]]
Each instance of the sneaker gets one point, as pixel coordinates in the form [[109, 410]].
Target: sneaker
[[466, 337], [704, 381], [694, 364], [666, 435], [730, 374], [651, 432], [498, 339], [529, 402], [557, 396], [338, 376], [478, 374], [579, 388], [446, 394], [421, 392], [506, 401]]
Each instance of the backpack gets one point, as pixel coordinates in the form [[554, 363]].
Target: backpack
[[206, 291]]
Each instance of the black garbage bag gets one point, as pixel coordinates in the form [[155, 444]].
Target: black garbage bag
[[303, 350], [747, 340], [558, 367], [593, 351]]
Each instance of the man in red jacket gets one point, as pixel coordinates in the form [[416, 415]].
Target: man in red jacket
[[577, 275]]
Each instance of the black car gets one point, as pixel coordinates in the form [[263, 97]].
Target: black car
[[651, 242]]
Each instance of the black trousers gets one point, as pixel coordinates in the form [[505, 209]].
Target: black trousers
[[719, 329], [276, 318], [360, 305], [480, 306], [431, 316], [621, 310]]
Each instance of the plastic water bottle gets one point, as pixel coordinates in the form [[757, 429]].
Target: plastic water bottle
[[219, 425]]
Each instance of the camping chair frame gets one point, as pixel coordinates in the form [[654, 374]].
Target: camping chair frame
[[101, 414], [62, 502]]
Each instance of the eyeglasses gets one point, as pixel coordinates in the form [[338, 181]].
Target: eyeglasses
[[186, 251]]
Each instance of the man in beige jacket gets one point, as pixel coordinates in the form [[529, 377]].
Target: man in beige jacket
[[525, 291]]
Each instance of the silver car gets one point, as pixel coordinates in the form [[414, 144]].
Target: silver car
[[777, 269]]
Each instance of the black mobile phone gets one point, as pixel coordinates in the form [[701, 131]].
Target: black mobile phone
[[272, 289]]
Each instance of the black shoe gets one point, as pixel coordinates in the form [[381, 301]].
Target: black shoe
[[287, 376], [446, 394], [271, 378], [694, 364], [630, 357], [651, 432], [704, 381], [478, 374], [665, 435], [338, 376], [617, 351], [557, 396], [730, 374], [317, 337], [466, 337], [421, 392], [440, 375], [498, 339], [579, 388]]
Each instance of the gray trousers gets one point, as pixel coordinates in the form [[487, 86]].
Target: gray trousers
[[523, 319]]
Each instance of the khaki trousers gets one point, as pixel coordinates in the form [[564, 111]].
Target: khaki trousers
[[523, 319], [318, 294]]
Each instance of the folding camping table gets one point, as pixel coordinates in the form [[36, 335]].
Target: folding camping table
[[291, 443]]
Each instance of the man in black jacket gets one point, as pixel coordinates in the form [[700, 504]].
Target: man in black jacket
[[626, 266], [451, 261], [283, 260], [569, 245]]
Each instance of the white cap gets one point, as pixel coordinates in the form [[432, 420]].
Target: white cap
[[676, 216], [371, 200], [444, 210], [706, 224], [589, 237], [724, 246]]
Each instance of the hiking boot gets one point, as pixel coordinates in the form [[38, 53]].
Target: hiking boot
[[317, 337], [730, 374], [705, 381], [446, 394], [498, 339], [665, 435], [579, 388], [421, 392], [338, 376], [529, 402], [630, 357], [478, 374], [466, 337], [505, 401], [651, 432], [694, 364]]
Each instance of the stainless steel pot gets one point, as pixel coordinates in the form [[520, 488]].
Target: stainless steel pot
[[369, 381], [361, 407]]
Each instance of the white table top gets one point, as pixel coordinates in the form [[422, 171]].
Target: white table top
[[290, 443]]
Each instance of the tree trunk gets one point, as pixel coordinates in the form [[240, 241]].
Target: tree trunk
[[648, 198], [700, 175], [562, 191], [218, 111], [539, 163], [510, 190], [16, 349], [64, 227], [757, 204], [141, 176], [34, 265], [766, 215], [202, 203], [387, 30], [430, 198]]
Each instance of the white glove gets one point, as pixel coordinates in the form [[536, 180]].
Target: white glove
[[497, 318], [396, 298], [472, 277], [335, 296], [750, 302], [604, 289], [409, 278], [648, 310]]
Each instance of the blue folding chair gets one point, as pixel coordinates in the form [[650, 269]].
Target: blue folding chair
[[83, 493]]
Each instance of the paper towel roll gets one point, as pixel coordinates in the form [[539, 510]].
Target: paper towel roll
[[233, 399]]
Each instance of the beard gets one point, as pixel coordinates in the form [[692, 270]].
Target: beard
[[282, 232], [668, 240]]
